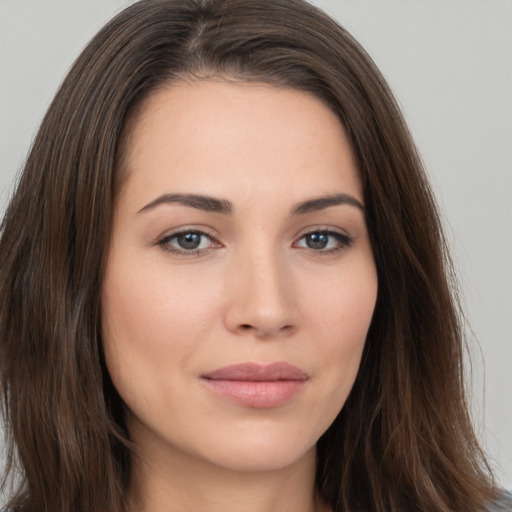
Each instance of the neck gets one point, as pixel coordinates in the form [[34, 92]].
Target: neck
[[183, 482]]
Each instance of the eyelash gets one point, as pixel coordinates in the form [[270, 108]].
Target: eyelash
[[164, 243], [343, 242]]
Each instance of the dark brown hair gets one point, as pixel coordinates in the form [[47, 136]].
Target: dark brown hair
[[403, 441]]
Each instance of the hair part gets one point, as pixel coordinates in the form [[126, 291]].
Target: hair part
[[403, 440]]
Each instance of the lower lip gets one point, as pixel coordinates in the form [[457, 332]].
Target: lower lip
[[264, 394]]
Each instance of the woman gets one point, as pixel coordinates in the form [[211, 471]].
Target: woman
[[224, 283]]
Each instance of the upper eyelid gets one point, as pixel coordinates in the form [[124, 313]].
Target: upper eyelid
[[215, 238], [329, 232], [322, 229], [175, 234], [163, 242], [187, 229], [207, 231]]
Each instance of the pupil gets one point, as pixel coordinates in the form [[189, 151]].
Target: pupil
[[317, 241], [189, 240]]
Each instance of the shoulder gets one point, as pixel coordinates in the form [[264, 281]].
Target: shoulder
[[502, 504]]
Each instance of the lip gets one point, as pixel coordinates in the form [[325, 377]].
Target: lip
[[256, 385]]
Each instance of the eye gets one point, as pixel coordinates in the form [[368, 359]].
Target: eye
[[324, 241], [187, 242]]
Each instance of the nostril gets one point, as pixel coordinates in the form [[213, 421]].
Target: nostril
[[264, 333]]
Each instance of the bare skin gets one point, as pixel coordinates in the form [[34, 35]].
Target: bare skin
[[239, 239]]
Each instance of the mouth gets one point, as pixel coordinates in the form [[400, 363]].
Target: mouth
[[255, 385]]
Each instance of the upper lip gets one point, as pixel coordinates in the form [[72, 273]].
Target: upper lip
[[256, 372]]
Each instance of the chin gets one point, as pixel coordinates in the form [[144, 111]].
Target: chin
[[245, 457], [260, 447]]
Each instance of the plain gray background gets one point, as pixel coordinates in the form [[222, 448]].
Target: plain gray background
[[449, 63]]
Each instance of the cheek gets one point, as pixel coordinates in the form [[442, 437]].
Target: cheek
[[144, 300], [344, 308], [344, 313], [152, 322]]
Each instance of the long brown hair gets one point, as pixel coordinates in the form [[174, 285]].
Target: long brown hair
[[403, 440]]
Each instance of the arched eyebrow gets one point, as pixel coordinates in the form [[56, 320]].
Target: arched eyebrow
[[213, 204], [206, 203], [321, 203]]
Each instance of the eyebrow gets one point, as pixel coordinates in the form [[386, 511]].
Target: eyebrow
[[321, 203], [206, 203], [212, 204]]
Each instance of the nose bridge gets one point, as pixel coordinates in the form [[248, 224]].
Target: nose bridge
[[261, 298]]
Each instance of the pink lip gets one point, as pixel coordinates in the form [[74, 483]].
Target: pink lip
[[255, 385]]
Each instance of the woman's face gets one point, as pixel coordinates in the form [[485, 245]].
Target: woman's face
[[240, 282]]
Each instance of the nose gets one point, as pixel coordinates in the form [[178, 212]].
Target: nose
[[261, 297]]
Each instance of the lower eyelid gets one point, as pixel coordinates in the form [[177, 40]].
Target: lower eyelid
[[164, 241], [343, 241], [342, 238]]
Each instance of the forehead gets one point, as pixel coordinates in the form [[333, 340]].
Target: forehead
[[223, 137]]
